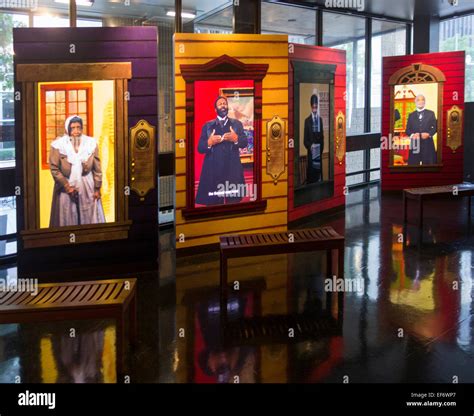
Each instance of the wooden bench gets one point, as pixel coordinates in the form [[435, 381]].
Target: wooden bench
[[420, 195], [99, 299], [296, 241]]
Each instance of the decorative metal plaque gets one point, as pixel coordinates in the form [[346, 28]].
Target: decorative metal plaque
[[454, 128], [340, 137], [142, 158], [275, 148]]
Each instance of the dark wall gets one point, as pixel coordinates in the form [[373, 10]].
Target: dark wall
[[137, 45]]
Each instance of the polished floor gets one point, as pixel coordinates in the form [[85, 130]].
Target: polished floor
[[408, 315]]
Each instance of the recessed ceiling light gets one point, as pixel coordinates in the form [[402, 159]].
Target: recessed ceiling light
[[185, 15]]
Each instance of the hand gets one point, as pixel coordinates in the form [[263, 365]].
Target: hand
[[70, 190], [214, 139], [416, 136], [425, 136], [97, 195], [231, 136]]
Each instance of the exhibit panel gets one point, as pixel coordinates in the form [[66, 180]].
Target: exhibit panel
[[231, 135], [86, 119], [316, 158], [422, 122]]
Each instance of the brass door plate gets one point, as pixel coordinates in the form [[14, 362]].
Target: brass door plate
[[142, 158], [275, 148]]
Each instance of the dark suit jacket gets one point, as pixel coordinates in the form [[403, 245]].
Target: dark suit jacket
[[316, 138], [221, 162], [427, 124]]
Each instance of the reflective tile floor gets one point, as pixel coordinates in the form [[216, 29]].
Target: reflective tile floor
[[408, 313]]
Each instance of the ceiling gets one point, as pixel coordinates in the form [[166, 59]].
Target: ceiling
[[143, 9], [296, 20], [400, 9]]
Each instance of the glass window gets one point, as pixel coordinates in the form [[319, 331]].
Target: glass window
[[7, 117], [7, 215], [388, 39], [211, 17], [354, 163], [458, 35], [298, 22], [375, 163], [348, 33], [46, 20]]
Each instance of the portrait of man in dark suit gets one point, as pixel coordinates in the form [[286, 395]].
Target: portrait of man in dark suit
[[220, 142], [421, 127], [314, 142]]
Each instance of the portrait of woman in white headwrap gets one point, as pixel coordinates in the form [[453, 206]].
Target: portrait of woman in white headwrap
[[75, 166]]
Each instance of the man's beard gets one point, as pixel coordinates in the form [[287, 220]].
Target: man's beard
[[222, 112]]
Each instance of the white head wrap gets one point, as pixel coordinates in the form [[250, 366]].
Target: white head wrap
[[65, 147]]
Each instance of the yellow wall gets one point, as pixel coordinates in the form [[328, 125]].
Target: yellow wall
[[250, 49], [103, 107]]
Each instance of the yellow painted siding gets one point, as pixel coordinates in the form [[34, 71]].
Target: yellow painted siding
[[250, 49]]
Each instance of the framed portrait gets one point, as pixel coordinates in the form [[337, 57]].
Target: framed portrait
[[416, 118], [90, 106], [75, 147], [223, 134], [313, 105]]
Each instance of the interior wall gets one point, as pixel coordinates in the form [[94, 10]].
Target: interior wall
[[250, 49]]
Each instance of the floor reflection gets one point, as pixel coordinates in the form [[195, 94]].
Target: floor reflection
[[410, 321]]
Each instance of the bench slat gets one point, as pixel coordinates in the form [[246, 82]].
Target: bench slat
[[118, 290], [42, 293], [66, 294], [57, 295], [98, 295], [75, 293], [4, 299], [49, 296], [314, 237], [18, 297], [90, 293]]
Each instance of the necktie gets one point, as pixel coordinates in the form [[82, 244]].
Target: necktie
[[315, 125]]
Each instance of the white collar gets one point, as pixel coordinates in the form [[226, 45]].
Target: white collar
[[226, 118], [420, 109], [65, 147]]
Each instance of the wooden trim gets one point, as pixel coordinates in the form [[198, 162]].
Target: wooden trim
[[396, 77], [32, 235], [411, 169], [223, 68], [48, 237], [66, 87], [216, 210], [30, 163], [119, 154], [73, 72], [439, 139], [126, 151]]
